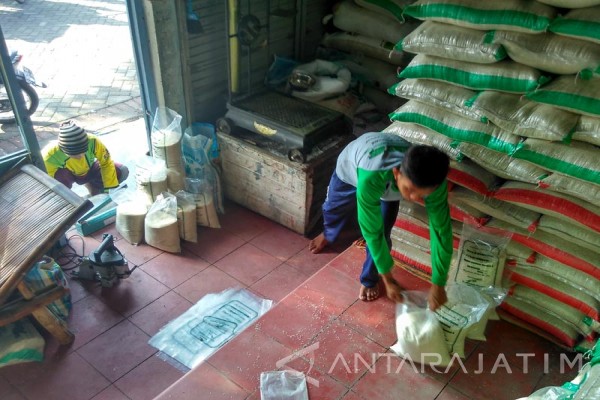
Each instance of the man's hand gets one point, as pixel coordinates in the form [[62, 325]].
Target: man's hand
[[392, 288], [437, 297]]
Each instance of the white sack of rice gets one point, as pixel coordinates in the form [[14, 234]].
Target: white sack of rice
[[130, 221]]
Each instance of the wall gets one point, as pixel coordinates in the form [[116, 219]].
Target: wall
[[283, 32]]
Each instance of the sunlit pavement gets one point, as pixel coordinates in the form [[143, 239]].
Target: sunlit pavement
[[82, 50]]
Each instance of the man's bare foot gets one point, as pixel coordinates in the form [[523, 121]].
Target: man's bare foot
[[317, 244], [368, 293]]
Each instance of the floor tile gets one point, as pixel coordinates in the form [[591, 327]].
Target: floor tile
[[110, 393], [248, 264], [450, 393], [174, 269], [132, 294], [213, 244], [211, 280], [310, 263], [488, 376], [9, 392], [110, 230], [350, 395], [78, 289], [280, 242], [157, 314], [374, 319], [243, 223], [137, 255], [294, 322], [89, 318], [344, 353], [331, 290], [349, 262], [129, 347], [517, 345], [320, 385], [279, 282], [245, 357], [392, 378], [205, 381], [73, 372], [148, 379]]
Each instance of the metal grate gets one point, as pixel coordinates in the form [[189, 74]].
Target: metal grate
[[295, 113]]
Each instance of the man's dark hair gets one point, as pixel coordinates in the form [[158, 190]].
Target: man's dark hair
[[425, 166]]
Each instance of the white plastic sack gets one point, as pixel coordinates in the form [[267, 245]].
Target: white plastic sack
[[161, 229], [283, 385], [420, 335], [166, 137]]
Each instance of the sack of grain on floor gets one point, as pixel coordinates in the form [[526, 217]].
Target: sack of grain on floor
[[420, 335], [132, 207], [130, 221], [186, 216], [202, 192], [161, 227], [166, 137], [151, 177]]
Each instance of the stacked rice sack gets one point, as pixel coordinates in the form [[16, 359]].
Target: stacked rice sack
[[511, 92], [364, 43], [167, 206]]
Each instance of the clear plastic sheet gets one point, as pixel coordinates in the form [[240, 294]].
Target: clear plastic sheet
[[213, 321]]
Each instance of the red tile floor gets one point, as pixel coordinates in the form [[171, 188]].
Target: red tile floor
[[316, 309]]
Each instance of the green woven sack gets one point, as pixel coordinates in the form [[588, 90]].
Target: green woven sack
[[587, 130], [578, 160], [451, 41], [456, 127], [441, 94], [417, 134], [582, 24], [503, 165], [523, 117], [549, 52], [504, 76], [512, 15], [571, 3], [570, 93]]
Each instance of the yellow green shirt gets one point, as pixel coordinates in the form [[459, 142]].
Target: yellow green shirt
[[55, 159]]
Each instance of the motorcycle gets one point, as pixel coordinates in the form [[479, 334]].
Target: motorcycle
[[26, 81]]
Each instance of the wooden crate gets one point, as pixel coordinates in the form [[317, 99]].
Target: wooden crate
[[261, 178]]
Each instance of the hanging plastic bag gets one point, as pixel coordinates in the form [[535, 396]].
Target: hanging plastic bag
[[481, 264], [186, 216], [463, 310], [420, 335], [280, 385], [161, 228], [151, 177]]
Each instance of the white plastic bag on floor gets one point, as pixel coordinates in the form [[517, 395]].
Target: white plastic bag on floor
[[210, 323], [283, 385], [420, 335]]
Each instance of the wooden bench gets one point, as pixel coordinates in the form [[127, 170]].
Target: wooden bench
[[35, 211]]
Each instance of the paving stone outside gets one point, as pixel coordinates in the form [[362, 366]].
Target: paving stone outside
[[83, 52]]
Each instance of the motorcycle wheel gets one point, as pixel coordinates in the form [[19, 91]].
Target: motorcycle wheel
[[7, 116]]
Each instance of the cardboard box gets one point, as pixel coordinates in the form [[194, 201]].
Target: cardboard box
[[102, 214]]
